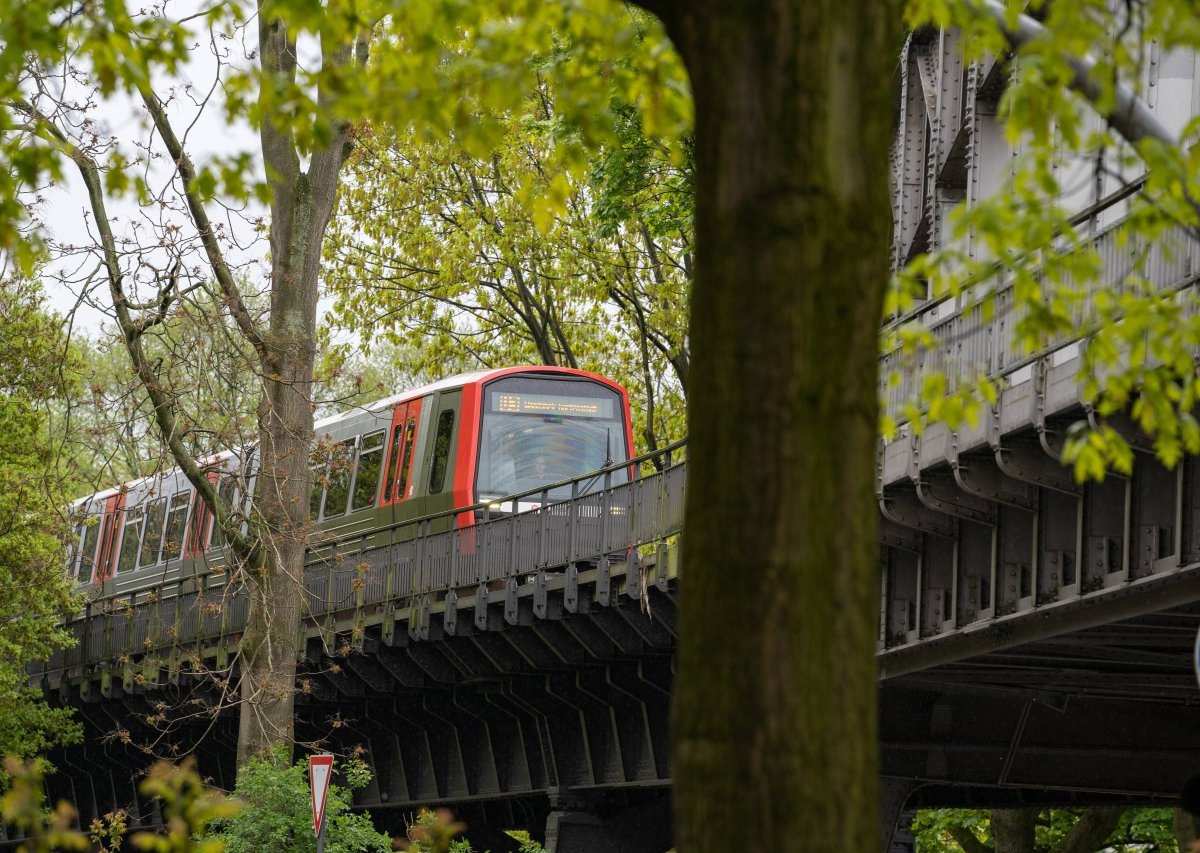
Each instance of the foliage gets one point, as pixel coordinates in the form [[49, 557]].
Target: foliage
[[512, 254], [941, 830], [22, 806], [189, 808], [277, 817], [436, 831], [33, 357]]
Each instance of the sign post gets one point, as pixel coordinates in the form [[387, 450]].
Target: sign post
[[320, 769]]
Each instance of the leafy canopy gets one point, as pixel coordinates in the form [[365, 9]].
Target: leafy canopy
[[36, 592]]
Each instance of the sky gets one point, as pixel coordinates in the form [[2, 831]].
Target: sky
[[195, 107]]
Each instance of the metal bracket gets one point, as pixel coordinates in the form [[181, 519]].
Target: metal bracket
[[603, 583], [571, 589], [481, 607], [662, 557], [511, 607], [450, 614], [1030, 464], [539, 595], [979, 476], [903, 508], [940, 495]]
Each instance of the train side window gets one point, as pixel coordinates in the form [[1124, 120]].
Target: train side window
[[441, 451], [337, 494], [152, 539], [131, 539], [225, 492], [409, 432], [366, 478], [176, 525], [71, 542], [91, 538]]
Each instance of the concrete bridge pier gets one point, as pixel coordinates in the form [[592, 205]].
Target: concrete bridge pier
[[575, 827]]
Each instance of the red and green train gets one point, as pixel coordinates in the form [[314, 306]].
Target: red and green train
[[469, 439]]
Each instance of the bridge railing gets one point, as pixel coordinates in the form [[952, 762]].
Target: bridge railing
[[607, 514], [973, 342]]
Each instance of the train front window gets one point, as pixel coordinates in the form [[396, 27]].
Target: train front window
[[537, 431]]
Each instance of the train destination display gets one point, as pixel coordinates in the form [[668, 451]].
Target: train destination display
[[549, 404]]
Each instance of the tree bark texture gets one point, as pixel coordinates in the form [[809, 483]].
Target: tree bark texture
[[774, 717], [1187, 829], [1014, 830], [301, 206]]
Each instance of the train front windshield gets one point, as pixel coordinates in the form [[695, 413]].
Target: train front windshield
[[536, 431]]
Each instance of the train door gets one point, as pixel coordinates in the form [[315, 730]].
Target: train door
[[109, 536], [202, 519], [398, 484], [441, 444]]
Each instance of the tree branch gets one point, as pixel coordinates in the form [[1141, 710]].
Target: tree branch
[[1091, 830], [208, 238], [966, 839], [165, 412]]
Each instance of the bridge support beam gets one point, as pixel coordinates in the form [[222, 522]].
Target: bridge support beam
[[643, 828], [894, 795]]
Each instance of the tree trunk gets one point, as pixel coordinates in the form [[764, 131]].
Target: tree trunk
[[302, 203], [1187, 829], [269, 644], [774, 717], [1014, 830]]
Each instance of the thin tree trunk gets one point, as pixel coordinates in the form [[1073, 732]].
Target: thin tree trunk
[[774, 718], [1091, 830], [301, 206], [1187, 829]]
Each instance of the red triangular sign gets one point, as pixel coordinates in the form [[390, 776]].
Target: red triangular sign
[[320, 768]]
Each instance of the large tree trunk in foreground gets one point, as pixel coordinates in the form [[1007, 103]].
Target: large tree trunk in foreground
[[775, 702]]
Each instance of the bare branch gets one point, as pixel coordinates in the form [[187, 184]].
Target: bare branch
[[132, 329], [216, 258]]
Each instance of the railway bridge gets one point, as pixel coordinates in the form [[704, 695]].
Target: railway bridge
[[1034, 634]]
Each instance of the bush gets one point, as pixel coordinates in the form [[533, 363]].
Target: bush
[[277, 812]]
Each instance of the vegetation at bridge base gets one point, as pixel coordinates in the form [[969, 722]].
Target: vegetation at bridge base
[[188, 808], [276, 811], [436, 831], [1031, 830], [34, 593]]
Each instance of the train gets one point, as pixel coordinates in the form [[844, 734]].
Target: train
[[468, 440]]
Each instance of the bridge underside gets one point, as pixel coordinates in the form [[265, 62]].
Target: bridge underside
[[1105, 713], [562, 723]]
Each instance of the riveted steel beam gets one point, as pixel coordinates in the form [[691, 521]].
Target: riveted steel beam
[[901, 506], [1026, 461]]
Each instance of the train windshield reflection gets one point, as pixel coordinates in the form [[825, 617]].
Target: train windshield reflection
[[536, 432]]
